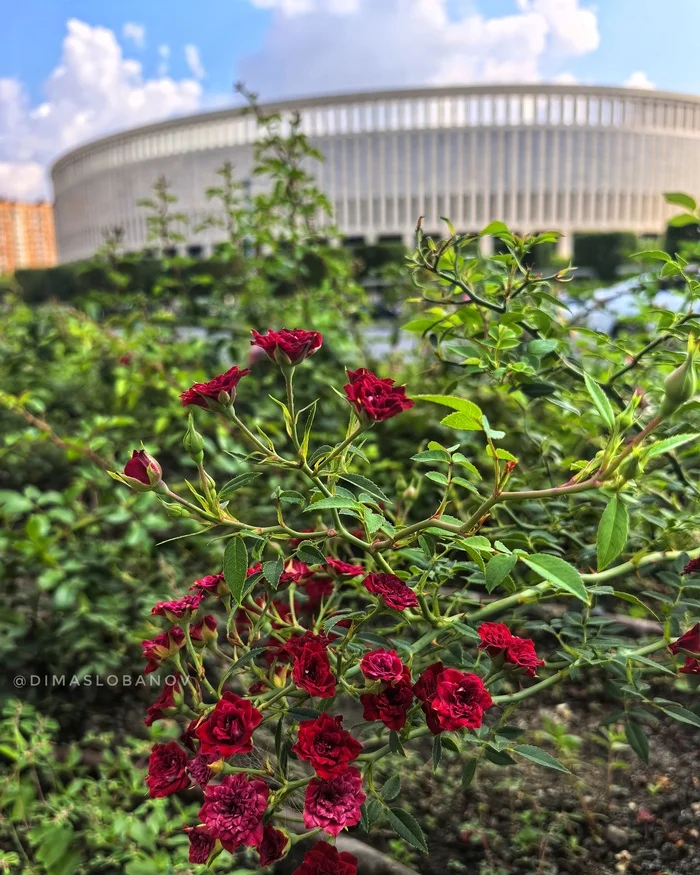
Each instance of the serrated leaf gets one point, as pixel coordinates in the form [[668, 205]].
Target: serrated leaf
[[612, 532], [558, 572], [497, 569], [468, 772], [539, 756], [237, 482], [407, 828], [272, 571], [498, 757], [366, 485], [431, 456], [637, 740], [309, 553], [453, 401], [236, 567], [678, 712], [334, 502], [601, 402], [437, 752], [391, 788], [671, 443]]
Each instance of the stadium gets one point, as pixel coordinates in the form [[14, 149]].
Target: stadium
[[570, 158]]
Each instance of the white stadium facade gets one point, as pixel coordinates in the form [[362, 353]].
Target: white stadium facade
[[539, 157]]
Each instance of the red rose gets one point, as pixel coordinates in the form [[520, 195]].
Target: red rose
[[288, 346], [382, 665], [324, 859], [164, 703], [392, 590], [229, 728], [390, 706], [199, 770], [201, 843], [521, 654], [312, 671], [295, 572], [495, 638], [212, 583], [691, 666], [687, 643], [182, 609], [203, 632], [334, 804], [142, 471], [161, 647], [451, 699], [221, 389], [326, 745], [341, 567], [692, 567], [167, 770], [233, 810], [273, 845], [374, 398]]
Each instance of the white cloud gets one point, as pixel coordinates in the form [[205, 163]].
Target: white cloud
[[194, 62], [135, 33], [565, 78], [164, 54], [94, 90], [639, 79], [404, 43]]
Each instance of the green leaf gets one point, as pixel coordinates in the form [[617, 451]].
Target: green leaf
[[437, 752], [633, 600], [683, 220], [558, 572], [431, 456], [453, 401], [272, 571], [407, 828], [463, 422], [678, 712], [333, 502], [601, 401], [495, 229], [539, 756], [391, 788], [366, 486], [468, 772], [637, 740], [668, 444], [612, 532], [497, 569], [309, 553], [498, 757], [653, 254], [679, 199], [237, 482], [236, 567], [541, 346]]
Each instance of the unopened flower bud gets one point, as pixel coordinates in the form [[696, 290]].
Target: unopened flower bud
[[681, 384], [628, 470], [175, 511], [193, 442], [203, 632], [627, 416], [224, 398], [142, 472], [410, 493]]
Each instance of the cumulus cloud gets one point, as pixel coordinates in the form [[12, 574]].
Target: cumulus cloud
[[393, 43], [639, 79], [135, 33], [94, 90], [194, 62]]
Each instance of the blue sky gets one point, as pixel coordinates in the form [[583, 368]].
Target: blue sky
[[72, 70]]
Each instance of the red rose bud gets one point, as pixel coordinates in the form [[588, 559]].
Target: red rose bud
[[203, 633], [233, 811], [167, 770], [181, 609], [341, 567], [326, 745], [382, 665], [375, 399], [162, 647], [334, 804], [167, 704], [324, 859], [392, 591], [221, 390], [142, 472], [213, 583], [288, 347], [201, 843], [689, 643], [693, 567], [681, 384], [273, 846]]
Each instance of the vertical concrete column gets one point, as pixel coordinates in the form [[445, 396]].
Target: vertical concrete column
[[565, 246], [485, 246]]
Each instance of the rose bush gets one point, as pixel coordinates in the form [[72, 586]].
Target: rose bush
[[370, 607]]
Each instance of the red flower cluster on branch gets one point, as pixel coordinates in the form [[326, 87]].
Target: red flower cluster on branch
[[220, 389], [374, 398], [516, 653], [288, 346]]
